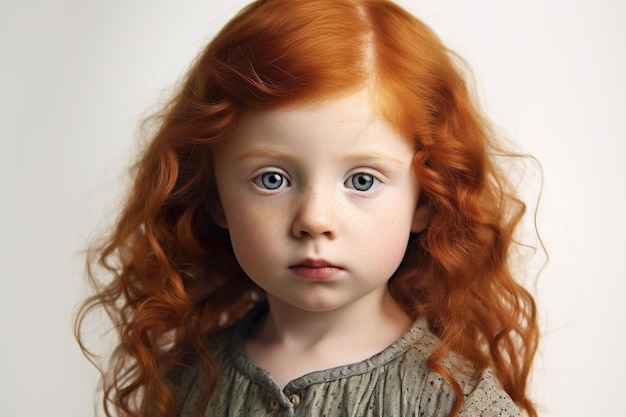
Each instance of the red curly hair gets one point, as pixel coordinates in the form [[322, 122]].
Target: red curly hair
[[174, 275]]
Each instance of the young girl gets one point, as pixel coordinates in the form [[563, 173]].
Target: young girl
[[318, 228]]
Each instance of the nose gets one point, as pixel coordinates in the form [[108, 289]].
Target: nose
[[315, 216]]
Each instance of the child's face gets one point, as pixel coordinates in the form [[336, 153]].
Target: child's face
[[319, 201]]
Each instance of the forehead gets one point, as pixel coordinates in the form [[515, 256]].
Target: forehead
[[335, 126], [352, 111], [351, 114]]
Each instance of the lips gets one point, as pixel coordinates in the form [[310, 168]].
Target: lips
[[316, 269]]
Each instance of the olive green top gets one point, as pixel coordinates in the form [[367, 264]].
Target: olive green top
[[394, 382]]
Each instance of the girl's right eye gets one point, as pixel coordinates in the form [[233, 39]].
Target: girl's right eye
[[271, 181]]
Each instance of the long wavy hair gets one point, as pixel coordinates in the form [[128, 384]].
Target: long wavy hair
[[173, 278]]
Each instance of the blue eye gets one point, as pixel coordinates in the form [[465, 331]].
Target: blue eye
[[361, 182], [271, 181]]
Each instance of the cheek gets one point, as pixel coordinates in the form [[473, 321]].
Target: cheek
[[382, 240], [251, 234], [393, 229], [389, 248]]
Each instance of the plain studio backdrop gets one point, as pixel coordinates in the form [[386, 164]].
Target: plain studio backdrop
[[78, 76]]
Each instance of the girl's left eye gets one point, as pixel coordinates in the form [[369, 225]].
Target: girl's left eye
[[361, 181]]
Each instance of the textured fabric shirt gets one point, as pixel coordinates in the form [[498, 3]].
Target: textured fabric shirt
[[394, 382]]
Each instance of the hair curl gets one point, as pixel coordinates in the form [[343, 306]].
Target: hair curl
[[174, 275]]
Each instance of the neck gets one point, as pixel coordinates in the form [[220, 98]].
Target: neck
[[291, 342], [379, 314]]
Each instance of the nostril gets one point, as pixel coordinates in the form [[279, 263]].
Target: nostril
[[303, 233], [314, 217]]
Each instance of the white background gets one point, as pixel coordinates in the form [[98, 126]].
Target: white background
[[77, 76]]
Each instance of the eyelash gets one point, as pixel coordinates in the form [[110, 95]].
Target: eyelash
[[273, 180], [259, 180], [371, 180]]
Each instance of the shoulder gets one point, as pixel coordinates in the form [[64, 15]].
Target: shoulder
[[485, 397], [483, 393], [188, 380]]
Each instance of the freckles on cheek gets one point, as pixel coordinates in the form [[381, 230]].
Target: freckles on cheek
[[249, 235]]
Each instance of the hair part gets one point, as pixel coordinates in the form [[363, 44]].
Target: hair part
[[174, 275]]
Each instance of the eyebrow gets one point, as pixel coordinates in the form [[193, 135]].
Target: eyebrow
[[262, 153], [362, 157], [373, 157]]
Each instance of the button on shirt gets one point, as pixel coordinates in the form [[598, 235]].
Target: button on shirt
[[394, 382]]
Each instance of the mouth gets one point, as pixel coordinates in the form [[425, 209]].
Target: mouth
[[316, 269]]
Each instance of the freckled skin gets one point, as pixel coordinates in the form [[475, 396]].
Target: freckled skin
[[330, 181]]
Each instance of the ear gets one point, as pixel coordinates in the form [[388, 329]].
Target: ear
[[420, 218]]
